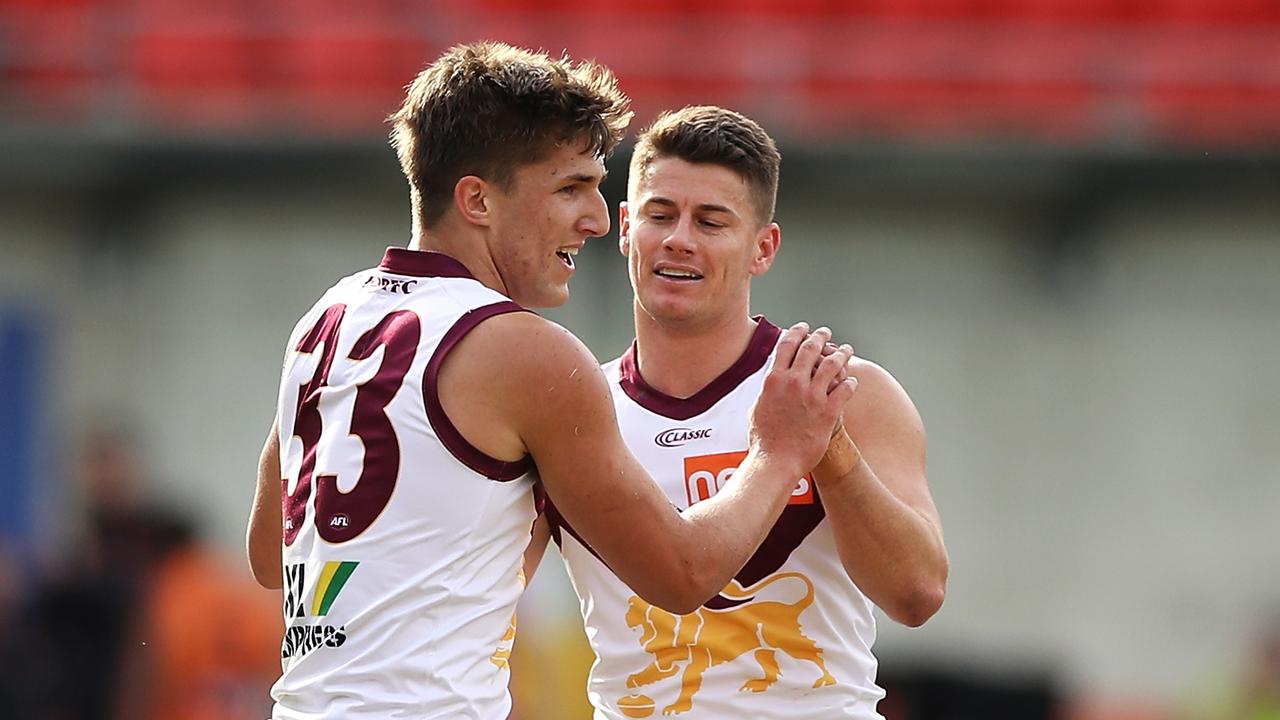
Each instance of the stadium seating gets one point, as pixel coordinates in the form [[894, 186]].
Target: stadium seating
[[1158, 72]]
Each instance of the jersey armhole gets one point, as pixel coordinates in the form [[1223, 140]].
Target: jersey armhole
[[457, 445], [555, 521], [559, 527]]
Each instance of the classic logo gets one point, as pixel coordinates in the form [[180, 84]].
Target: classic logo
[[693, 644], [704, 475], [301, 638], [675, 437]]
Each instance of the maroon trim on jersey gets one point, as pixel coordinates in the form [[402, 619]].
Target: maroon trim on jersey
[[795, 524], [791, 529], [556, 523], [468, 454], [539, 499], [422, 263], [752, 359]]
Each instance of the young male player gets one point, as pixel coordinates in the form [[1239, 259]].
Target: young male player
[[791, 635], [419, 404]]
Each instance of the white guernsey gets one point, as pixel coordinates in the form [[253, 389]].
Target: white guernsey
[[790, 637], [398, 531], [415, 611]]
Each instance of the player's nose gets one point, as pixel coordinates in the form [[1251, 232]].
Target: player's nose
[[595, 221], [680, 239]]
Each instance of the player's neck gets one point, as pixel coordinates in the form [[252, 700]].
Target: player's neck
[[680, 361], [470, 251]]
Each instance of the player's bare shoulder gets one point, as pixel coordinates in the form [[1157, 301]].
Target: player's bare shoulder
[[514, 372], [521, 347], [880, 401]]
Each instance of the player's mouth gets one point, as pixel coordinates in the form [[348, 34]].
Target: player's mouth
[[566, 255], [677, 274]]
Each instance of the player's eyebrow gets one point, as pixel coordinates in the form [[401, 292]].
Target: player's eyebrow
[[703, 207], [712, 207], [660, 201], [588, 177]]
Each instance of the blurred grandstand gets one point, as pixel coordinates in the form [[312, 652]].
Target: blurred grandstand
[[1055, 220], [1079, 72]]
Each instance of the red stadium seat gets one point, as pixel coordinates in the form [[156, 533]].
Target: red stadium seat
[[1218, 12], [1060, 70], [193, 66], [49, 56]]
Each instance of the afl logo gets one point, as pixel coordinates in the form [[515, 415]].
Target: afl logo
[[675, 437]]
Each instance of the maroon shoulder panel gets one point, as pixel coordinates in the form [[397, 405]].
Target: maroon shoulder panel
[[469, 454]]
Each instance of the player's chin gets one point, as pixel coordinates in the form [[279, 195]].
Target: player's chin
[[668, 310], [678, 298]]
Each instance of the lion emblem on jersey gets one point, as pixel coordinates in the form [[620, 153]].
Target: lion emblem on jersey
[[696, 642]]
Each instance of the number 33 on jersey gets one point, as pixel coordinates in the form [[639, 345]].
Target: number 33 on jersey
[[402, 541]]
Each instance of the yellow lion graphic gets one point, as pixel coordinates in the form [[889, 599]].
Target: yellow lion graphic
[[706, 638]]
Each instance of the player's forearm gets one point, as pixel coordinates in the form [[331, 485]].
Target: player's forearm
[[262, 541], [892, 552], [728, 528], [263, 537], [264, 558]]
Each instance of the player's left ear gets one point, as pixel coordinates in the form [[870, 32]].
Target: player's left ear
[[472, 199], [767, 242], [624, 230]]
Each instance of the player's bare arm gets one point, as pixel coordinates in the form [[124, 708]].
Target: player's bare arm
[[876, 494], [263, 537], [547, 396]]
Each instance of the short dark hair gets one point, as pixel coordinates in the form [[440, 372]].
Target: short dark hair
[[709, 134], [488, 108]]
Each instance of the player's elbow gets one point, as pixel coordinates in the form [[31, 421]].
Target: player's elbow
[[676, 600], [676, 603], [918, 601], [267, 574], [264, 563], [682, 589]]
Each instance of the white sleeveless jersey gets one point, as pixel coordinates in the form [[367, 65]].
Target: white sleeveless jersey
[[791, 635], [402, 542]]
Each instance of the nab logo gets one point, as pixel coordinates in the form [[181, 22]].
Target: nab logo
[[675, 437], [704, 475]]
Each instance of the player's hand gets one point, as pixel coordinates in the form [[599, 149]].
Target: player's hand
[[828, 349], [803, 396]]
